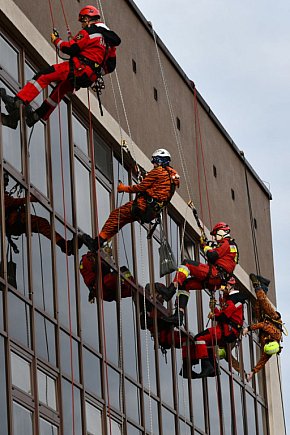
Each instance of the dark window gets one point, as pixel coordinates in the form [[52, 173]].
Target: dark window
[[178, 123], [255, 223], [45, 339], [67, 346], [214, 171], [134, 66], [155, 94], [233, 194], [20, 330], [92, 374]]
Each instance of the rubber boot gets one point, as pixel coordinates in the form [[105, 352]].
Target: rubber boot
[[166, 292], [207, 370], [177, 318], [92, 244], [31, 116]]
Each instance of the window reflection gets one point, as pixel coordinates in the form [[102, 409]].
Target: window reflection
[[45, 339], [19, 330], [94, 420], [92, 374], [11, 139], [79, 135], [43, 296], [22, 420], [83, 197], [3, 386], [103, 156], [69, 345], [60, 156], [47, 428], [46, 389], [37, 160], [9, 58], [20, 370], [67, 409]]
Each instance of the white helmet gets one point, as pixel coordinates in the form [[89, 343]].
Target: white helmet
[[161, 157]]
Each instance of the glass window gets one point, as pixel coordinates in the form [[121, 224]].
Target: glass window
[[174, 237], [19, 330], [3, 386], [239, 409], [151, 415], [47, 428], [142, 254], [69, 345], [11, 139], [45, 339], [251, 419], [79, 135], [60, 156], [114, 387], [66, 288], [130, 351], [198, 403], [182, 389], [22, 420], [46, 389], [20, 369], [111, 330], [148, 361], [184, 428], [261, 414], [114, 428], [192, 312], [103, 204], [166, 380], [29, 73], [83, 197], [1, 309], [168, 422], [226, 400], [43, 295], [92, 373], [131, 430], [213, 404], [94, 420], [37, 158], [132, 396], [9, 58], [125, 237], [67, 405], [103, 156]]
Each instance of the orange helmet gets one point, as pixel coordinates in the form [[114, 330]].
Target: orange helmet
[[89, 11]]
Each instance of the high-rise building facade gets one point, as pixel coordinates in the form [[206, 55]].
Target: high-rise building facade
[[70, 367]]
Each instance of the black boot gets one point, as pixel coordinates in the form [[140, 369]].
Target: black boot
[[263, 281], [180, 304], [92, 244], [207, 370], [10, 121], [12, 104], [166, 292], [186, 368], [31, 116], [259, 282]]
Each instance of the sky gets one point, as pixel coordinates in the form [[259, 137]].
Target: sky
[[237, 52]]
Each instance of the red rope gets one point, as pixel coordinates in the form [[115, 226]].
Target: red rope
[[197, 157], [100, 282], [66, 21], [51, 13]]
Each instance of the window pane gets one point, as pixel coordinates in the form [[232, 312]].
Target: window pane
[[262, 420], [46, 389], [103, 204], [47, 428], [19, 330], [156, 260], [198, 403], [251, 420], [43, 296], [151, 410], [22, 420], [130, 351], [114, 387], [213, 403], [9, 58], [148, 361], [83, 197], [3, 386], [239, 409], [94, 420], [183, 396], [11, 139], [67, 346], [67, 404], [37, 154], [92, 374], [79, 135], [168, 422], [1, 310], [20, 369], [111, 330], [132, 396], [103, 156], [60, 156], [226, 400], [45, 339], [142, 254], [166, 380], [131, 430]]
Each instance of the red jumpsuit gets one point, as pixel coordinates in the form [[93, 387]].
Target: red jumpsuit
[[158, 185], [221, 259], [91, 50], [229, 323]]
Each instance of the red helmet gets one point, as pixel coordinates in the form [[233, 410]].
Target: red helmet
[[220, 226], [232, 280], [89, 11]]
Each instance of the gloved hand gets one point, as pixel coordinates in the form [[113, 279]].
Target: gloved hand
[[203, 240], [54, 35], [123, 188]]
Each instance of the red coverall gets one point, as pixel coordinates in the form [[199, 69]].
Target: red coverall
[[158, 184], [225, 256], [229, 322], [86, 49]]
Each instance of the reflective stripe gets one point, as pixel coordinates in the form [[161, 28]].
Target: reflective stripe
[[36, 84], [200, 342], [183, 292], [59, 43], [238, 304], [95, 35], [102, 25], [51, 102], [207, 248], [183, 269]]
